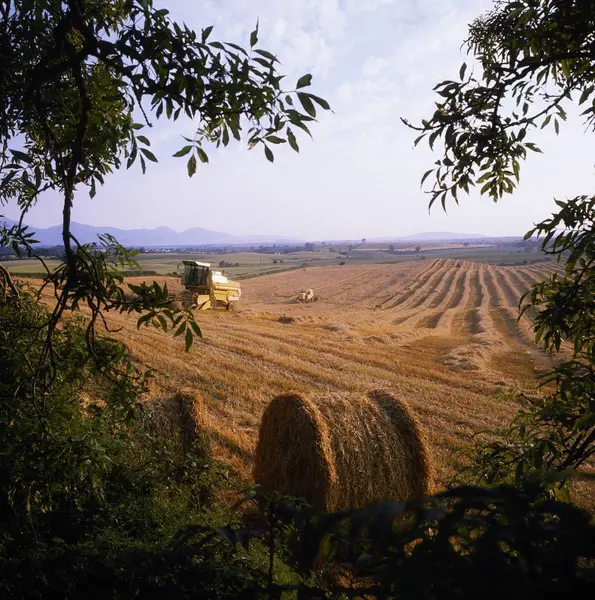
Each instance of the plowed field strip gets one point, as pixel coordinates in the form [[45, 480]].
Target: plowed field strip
[[417, 312], [398, 300], [501, 314], [472, 324], [429, 389], [456, 306], [480, 321], [391, 296], [356, 292], [338, 356], [510, 328], [492, 288], [461, 315], [341, 282], [518, 281], [511, 298], [431, 291], [447, 290], [460, 284], [526, 279], [454, 290], [504, 312]]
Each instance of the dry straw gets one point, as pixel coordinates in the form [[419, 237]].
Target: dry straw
[[342, 451], [179, 418]]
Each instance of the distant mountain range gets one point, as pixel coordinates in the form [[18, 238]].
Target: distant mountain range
[[436, 236], [197, 236], [161, 236]]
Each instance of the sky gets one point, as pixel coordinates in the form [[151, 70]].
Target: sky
[[374, 61]]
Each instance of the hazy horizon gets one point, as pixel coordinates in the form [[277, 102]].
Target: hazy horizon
[[272, 237], [374, 61]]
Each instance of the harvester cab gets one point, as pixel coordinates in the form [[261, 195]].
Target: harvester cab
[[205, 288]]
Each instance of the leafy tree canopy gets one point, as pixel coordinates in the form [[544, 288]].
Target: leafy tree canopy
[[80, 83], [535, 57]]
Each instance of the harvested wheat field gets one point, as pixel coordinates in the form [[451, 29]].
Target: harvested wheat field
[[440, 334]]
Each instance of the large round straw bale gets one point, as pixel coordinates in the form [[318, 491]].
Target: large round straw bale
[[341, 451], [179, 418]]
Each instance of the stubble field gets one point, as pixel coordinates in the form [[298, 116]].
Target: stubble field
[[441, 333]]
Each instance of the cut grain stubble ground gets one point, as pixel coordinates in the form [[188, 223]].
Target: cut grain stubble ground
[[345, 342]]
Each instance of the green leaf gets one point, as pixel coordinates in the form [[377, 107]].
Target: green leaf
[[270, 156], [273, 139], [254, 37], [426, 175], [462, 71], [149, 154], [191, 166], [585, 95], [546, 121], [301, 125], [137, 126], [304, 81], [143, 140], [202, 155], [320, 101], [206, 32], [189, 339], [266, 54], [183, 151], [22, 156], [307, 104], [132, 157], [196, 328], [236, 47], [162, 322], [292, 140]]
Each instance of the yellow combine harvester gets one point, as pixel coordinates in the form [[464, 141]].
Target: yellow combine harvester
[[205, 288]]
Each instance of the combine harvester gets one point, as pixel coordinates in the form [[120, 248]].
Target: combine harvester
[[205, 288]]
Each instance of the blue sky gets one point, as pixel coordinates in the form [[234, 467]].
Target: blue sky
[[374, 61]]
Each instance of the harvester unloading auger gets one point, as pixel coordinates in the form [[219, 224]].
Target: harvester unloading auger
[[205, 288]]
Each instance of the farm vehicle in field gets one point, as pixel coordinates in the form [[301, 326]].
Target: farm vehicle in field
[[306, 295], [206, 288]]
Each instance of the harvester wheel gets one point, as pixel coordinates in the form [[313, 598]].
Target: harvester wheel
[[229, 306]]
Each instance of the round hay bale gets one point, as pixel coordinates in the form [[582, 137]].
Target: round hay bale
[[342, 451], [179, 418]]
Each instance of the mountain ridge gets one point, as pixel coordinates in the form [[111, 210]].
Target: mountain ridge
[[199, 236], [159, 236], [443, 235]]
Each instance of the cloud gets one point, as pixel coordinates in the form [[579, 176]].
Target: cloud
[[375, 61]]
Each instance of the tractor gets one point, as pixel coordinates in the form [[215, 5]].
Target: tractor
[[206, 288], [306, 295]]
